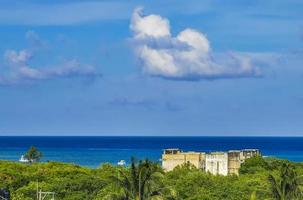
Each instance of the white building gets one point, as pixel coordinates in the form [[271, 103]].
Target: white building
[[217, 163]]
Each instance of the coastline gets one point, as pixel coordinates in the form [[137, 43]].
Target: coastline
[[93, 151]]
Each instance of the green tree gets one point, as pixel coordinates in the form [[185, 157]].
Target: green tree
[[254, 165], [287, 185], [140, 182], [33, 155]]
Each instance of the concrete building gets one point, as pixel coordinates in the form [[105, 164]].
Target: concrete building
[[175, 157], [248, 153], [234, 161], [218, 163]]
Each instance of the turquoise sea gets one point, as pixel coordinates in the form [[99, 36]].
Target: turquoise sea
[[93, 151]]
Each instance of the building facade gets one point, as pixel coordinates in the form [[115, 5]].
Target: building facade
[[234, 161], [172, 158], [217, 163]]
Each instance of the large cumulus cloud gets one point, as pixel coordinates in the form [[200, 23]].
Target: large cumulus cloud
[[187, 56]]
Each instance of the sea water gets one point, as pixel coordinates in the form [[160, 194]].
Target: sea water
[[93, 151]]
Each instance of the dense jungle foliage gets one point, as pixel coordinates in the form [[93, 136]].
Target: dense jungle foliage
[[260, 178]]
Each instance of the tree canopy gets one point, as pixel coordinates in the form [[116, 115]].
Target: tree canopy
[[33, 154], [259, 179]]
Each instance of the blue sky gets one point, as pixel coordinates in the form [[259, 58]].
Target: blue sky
[[151, 67]]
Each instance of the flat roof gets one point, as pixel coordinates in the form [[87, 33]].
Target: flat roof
[[193, 152], [218, 152], [250, 149], [172, 149], [209, 152], [231, 151]]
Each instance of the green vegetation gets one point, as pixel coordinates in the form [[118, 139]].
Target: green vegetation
[[33, 155], [141, 181], [259, 179], [287, 185]]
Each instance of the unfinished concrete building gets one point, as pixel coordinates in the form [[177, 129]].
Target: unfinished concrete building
[[172, 158], [217, 163]]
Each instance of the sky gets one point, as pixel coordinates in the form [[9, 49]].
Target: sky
[[151, 68]]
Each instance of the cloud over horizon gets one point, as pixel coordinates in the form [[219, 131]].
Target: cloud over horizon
[[188, 56]]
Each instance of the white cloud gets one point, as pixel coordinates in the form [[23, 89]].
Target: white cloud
[[186, 56], [149, 26], [70, 68], [18, 58], [18, 69]]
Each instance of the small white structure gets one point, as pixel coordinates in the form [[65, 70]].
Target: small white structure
[[44, 195], [217, 163], [24, 160], [121, 163]]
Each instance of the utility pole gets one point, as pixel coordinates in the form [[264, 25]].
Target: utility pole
[[37, 190]]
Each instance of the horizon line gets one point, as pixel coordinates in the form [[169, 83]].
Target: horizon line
[[153, 136]]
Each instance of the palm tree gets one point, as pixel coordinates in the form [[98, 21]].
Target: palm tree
[[141, 181], [33, 155], [287, 185]]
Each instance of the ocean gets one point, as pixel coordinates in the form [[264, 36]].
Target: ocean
[[93, 151]]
